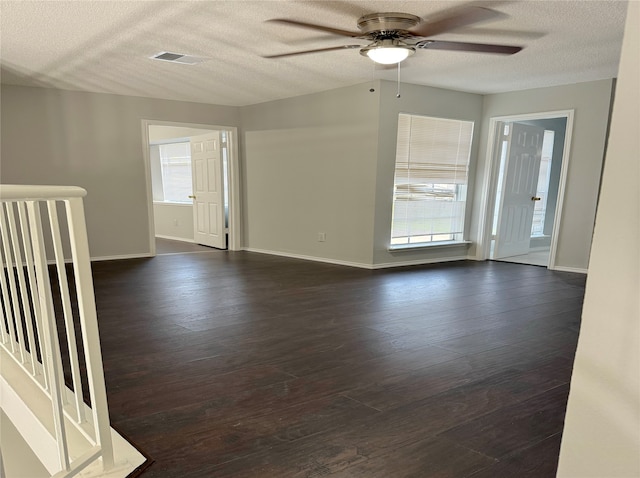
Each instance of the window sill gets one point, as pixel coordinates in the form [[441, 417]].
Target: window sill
[[426, 245], [169, 203]]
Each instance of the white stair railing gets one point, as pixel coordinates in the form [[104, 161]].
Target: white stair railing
[[38, 225]]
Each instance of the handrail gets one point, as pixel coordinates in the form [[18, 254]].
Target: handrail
[[36, 301], [11, 192]]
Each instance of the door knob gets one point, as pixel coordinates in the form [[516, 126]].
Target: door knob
[[533, 198]]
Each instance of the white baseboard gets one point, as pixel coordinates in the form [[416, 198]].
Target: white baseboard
[[175, 238], [577, 270], [52, 262], [357, 264], [418, 262], [309, 258], [123, 256]]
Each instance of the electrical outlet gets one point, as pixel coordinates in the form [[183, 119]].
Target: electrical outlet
[[322, 236]]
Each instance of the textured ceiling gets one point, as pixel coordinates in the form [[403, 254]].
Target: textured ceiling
[[103, 46]]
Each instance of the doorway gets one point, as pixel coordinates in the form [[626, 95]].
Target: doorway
[[192, 184], [527, 166]]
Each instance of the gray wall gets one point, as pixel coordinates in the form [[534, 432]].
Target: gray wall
[[173, 221], [94, 141], [419, 100], [158, 133], [310, 167], [591, 104], [315, 163]]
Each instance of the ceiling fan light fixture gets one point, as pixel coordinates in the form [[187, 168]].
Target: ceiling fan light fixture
[[388, 52], [388, 55]]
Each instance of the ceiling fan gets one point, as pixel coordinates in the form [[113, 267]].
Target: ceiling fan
[[393, 37]]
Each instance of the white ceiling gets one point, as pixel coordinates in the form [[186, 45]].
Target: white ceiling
[[103, 46]]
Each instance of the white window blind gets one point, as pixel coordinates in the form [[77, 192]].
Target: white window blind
[[175, 163], [430, 185]]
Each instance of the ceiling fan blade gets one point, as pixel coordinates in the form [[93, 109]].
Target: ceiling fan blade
[[319, 50], [499, 32], [456, 18], [463, 46], [313, 26]]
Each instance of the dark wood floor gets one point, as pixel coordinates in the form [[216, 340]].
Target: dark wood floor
[[169, 246], [228, 364]]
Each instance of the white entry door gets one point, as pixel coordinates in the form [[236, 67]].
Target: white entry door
[[519, 186], [208, 191]]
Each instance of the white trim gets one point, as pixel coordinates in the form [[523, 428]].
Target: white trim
[[213, 249], [426, 245], [24, 419], [25, 405], [52, 262], [174, 238], [172, 203], [123, 256], [566, 151], [19, 192], [577, 270], [235, 219], [234, 238], [144, 255], [418, 262], [491, 177], [488, 195], [309, 258], [146, 158], [359, 265]]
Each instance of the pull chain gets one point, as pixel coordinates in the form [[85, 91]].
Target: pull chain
[[373, 78], [398, 92]]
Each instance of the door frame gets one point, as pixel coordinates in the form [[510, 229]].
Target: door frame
[[490, 184], [235, 218]]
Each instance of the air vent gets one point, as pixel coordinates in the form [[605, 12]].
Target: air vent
[[178, 58]]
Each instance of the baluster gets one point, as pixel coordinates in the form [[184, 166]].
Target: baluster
[[6, 305], [89, 323], [11, 279], [28, 252], [66, 306], [51, 344], [24, 296], [29, 323]]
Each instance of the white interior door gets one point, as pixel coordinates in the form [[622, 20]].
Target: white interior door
[[518, 194], [208, 191]]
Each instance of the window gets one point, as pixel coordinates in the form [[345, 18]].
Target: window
[[430, 185], [175, 167]]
